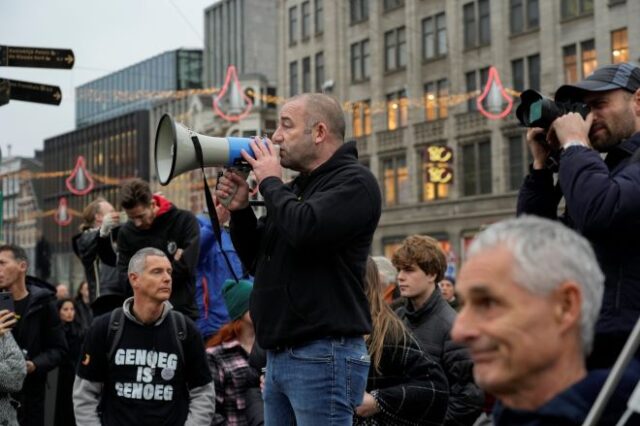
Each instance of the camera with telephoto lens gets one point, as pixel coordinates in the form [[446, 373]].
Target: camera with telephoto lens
[[537, 111]]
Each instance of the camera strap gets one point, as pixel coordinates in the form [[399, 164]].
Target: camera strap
[[213, 215]]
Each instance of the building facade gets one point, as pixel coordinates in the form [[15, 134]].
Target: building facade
[[113, 151], [138, 86], [409, 74], [242, 33]]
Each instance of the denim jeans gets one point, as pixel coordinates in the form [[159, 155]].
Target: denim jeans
[[319, 383]]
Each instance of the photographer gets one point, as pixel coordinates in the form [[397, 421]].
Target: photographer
[[602, 196]]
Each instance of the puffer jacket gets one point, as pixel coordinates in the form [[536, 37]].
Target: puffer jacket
[[431, 324], [13, 370]]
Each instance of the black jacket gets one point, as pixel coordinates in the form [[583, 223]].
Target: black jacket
[[171, 230], [410, 388], [102, 278], [432, 325], [308, 254], [603, 204], [41, 336]]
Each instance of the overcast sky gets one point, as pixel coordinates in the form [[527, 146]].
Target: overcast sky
[[105, 36]]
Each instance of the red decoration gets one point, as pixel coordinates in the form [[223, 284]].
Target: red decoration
[[493, 90], [236, 97], [62, 216], [80, 182]]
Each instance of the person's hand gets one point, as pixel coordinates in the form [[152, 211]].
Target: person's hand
[[178, 254], [571, 127], [109, 222], [7, 321], [262, 383], [231, 184], [539, 148], [369, 406], [31, 367], [266, 162]]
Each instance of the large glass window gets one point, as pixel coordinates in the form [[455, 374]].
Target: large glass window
[[397, 110], [430, 191], [589, 61], [619, 46], [476, 168], [434, 36], [436, 97], [396, 180], [319, 71], [519, 73], [477, 32], [359, 10], [570, 63], [361, 118], [293, 78], [518, 161], [306, 75], [469, 24], [293, 24], [524, 15], [395, 49], [573, 8], [360, 61], [318, 17], [306, 19]]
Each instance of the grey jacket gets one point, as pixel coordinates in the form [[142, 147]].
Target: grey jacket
[[13, 370], [87, 394]]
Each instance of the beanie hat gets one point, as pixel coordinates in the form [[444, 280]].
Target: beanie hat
[[236, 297]]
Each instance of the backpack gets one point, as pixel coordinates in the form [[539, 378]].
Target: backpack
[[116, 327]]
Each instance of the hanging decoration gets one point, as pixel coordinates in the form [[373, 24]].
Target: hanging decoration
[[231, 103], [495, 96], [80, 182], [62, 215]]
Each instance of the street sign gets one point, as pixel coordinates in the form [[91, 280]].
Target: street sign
[[34, 92], [38, 57], [4, 91]]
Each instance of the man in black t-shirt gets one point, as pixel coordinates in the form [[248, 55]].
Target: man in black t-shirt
[[148, 379]]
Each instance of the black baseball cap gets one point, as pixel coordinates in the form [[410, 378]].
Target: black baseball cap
[[608, 77]]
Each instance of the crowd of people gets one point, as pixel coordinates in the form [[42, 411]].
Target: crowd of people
[[286, 318]]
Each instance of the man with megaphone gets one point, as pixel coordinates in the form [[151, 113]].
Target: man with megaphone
[[308, 256]]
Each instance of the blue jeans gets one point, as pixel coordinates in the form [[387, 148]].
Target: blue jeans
[[320, 383]]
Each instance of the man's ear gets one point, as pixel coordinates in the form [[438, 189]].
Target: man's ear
[[23, 266], [319, 132], [133, 279], [568, 304], [636, 103]]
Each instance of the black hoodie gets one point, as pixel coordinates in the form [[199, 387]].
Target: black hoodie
[[309, 252]]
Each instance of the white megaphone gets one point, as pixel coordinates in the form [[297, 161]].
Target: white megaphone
[[175, 152]]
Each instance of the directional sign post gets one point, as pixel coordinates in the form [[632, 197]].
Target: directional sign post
[[36, 57], [33, 92], [4, 91]]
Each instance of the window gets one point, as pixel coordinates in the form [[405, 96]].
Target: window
[[396, 180], [476, 32], [361, 118], [524, 15], [476, 168], [395, 46], [519, 74], [619, 46], [306, 19], [570, 64], [431, 191], [306, 75], [293, 24], [519, 159], [589, 61], [319, 71], [573, 8], [392, 4], [360, 61], [434, 36], [318, 17], [397, 110], [359, 10], [475, 87], [293, 78], [436, 96]]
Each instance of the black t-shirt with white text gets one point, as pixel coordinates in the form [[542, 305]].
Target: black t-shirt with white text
[[145, 383]]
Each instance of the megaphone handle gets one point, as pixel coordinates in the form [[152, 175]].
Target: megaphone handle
[[242, 172]]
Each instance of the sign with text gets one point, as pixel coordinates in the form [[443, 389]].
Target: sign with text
[[38, 57], [34, 92]]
